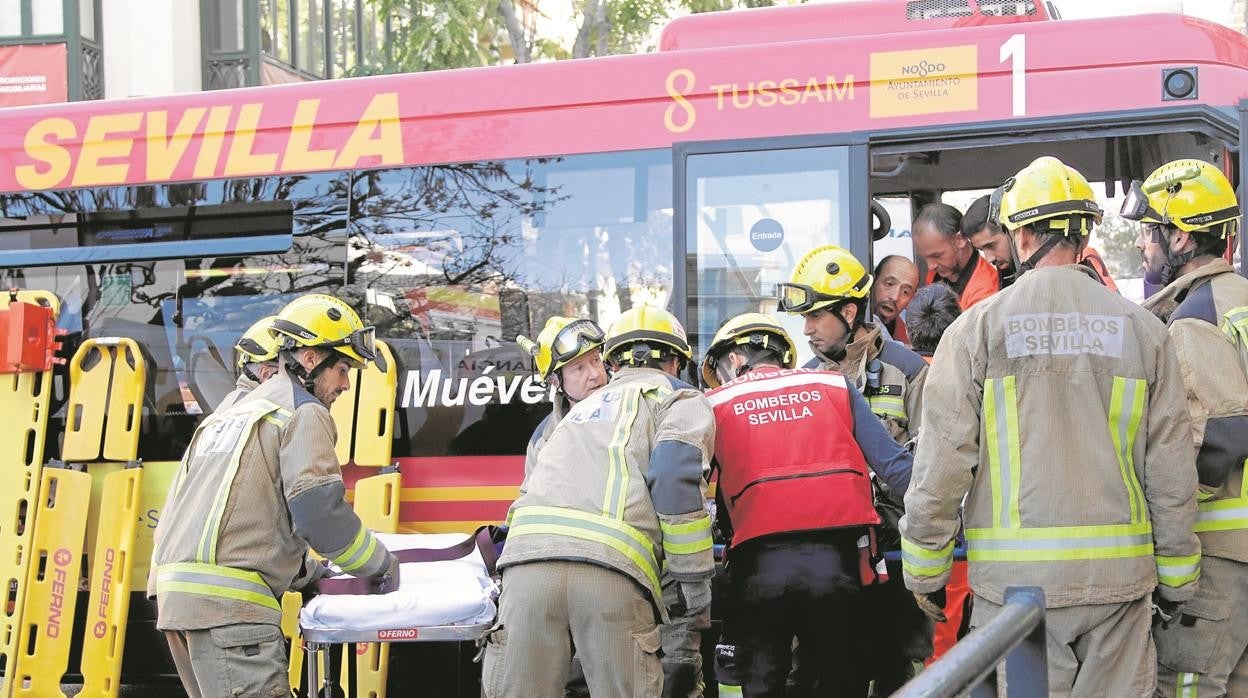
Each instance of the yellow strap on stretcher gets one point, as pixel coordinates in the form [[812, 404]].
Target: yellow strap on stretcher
[[112, 561], [364, 414], [107, 379], [51, 584], [23, 430]]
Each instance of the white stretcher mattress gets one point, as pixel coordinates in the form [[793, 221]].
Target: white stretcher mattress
[[451, 592]]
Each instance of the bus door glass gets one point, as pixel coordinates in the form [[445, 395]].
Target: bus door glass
[[749, 217]]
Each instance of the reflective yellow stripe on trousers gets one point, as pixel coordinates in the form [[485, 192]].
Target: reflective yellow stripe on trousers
[[1006, 540]]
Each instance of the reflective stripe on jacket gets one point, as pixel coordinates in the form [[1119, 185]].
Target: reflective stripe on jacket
[[1207, 314], [619, 482], [258, 482], [1056, 410], [897, 399]]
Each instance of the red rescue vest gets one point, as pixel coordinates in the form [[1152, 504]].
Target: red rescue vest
[[788, 461]]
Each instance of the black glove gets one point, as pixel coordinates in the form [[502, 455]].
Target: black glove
[[1165, 612]]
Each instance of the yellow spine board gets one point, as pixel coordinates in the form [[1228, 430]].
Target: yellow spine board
[[24, 404], [52, 584], [111, 567], [377, 504], [374, 413], [125, 402], [343, 413], [98, 428], [364, 414]]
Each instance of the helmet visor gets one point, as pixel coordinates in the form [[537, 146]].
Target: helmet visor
[[800, 298], [572, 339], [362, 341], [1136, 206]]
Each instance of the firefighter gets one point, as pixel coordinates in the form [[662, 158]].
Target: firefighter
[[990, 239], [829, 288], [255, 358], [793, 447], [1056, 411], [1190, 217], [568, 356], [260, 483], [616, 496]]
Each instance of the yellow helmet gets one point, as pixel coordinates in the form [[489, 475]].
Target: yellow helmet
[[318, 320], [826, 275], [1048, 195], [561, 341], [1191, 195], [748, 328], [645, 324], [257, 345]]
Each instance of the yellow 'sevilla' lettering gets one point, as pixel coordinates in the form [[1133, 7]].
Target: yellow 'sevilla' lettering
[[210, 142], [242, 160], [382, 117], [39, 147], [165, 151], [299, 155], [97, 146]]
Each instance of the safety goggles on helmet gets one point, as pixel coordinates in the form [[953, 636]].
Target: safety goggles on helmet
[[363, 341], [571, 340], [800, 298], [994, 201], [1136, 206]]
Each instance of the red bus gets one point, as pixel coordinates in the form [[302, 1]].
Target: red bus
[[458, 209]]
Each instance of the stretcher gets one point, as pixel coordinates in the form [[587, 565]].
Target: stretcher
[[447, 600]]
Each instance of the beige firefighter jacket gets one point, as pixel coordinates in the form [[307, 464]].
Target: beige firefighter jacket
[[258, 484], [1207, 313], [242, 386], [898, 399], [619, 483], [1057, 405]]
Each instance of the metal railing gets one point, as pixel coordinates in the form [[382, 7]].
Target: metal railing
[[1015, 635]]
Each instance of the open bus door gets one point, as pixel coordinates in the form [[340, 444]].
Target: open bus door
[[747, 211]]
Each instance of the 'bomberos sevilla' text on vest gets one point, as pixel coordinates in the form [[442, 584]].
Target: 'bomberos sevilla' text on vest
[[788, 460]]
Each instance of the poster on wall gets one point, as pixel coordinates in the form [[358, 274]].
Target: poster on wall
[[33, 74]]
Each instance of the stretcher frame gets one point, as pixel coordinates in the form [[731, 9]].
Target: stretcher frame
[[318, 642]]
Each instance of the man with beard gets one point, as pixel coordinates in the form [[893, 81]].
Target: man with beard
[[829, 289], [896, 279], [1189, 218], [258, 486], [990, 239]]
